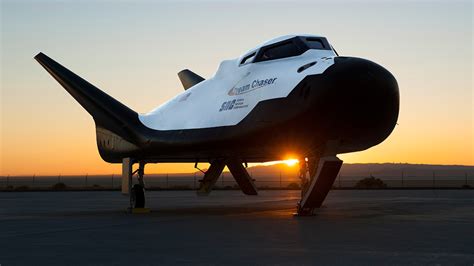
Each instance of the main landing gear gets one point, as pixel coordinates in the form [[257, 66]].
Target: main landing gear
[[322, 173], [136, 192], [236, 168]]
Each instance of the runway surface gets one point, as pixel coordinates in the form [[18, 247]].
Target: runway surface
[[389, 227]]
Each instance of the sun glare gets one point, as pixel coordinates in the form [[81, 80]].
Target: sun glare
[[291, 162]]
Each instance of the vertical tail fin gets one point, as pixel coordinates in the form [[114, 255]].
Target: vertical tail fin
[[189, 78]]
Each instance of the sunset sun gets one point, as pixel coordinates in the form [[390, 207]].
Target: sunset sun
[[291, 162]]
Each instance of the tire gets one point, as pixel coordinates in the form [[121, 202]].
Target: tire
[[138, 196]]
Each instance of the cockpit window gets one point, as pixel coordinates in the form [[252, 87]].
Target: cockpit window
[[315, 43], [280, 50], [248, 59], [319, 43], [291, 47]]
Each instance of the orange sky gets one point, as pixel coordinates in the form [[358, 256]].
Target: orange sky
[[44, 131]]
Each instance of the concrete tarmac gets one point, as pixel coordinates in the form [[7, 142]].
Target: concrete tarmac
[[355, 227]]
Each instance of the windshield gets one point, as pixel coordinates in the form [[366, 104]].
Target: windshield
[[279, 50]]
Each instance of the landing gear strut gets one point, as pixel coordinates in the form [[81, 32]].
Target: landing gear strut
[[210, 176], [136, 192], [236, 168], [303, 166], [322, 174], [137, 196]]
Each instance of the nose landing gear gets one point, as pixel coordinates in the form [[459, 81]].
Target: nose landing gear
[[322, 174]]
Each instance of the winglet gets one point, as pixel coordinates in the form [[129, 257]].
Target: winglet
[[106, 111], [189, 78]]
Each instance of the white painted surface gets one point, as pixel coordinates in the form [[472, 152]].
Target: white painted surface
[[200, 105]]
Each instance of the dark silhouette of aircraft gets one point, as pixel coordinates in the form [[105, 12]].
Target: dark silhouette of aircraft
[[290, 95]]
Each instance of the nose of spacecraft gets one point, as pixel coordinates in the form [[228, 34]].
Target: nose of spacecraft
[[362, 98]]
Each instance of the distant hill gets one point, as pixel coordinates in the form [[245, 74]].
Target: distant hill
[[374, 169], [277, 175], [393, 169], [274, 171]]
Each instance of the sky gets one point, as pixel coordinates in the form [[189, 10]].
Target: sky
[[133, 49]]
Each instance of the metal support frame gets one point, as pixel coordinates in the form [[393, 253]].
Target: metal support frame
[[322, 176], [242, 177], [302, 175], [141, 172], [197, 167], [210, 177], [127, 164]]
